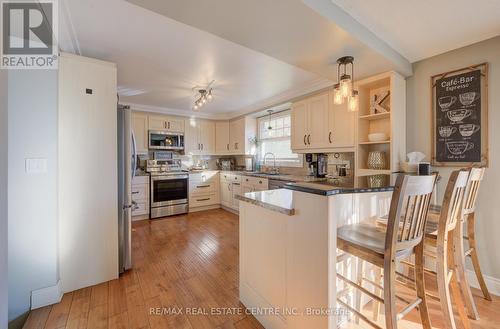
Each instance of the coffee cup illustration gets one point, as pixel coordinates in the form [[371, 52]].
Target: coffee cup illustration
[[460, 147], [446, 101], [447, 131], [469, 129], [468, 98], [458, 115]]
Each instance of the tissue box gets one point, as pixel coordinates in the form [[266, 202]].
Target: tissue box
[[409, 167]]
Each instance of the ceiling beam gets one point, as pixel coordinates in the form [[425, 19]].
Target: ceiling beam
[[341, 18]]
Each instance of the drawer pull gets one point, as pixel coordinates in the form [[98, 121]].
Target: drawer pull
[[135, 192], [236, 183], [200, 186], [203, 199]]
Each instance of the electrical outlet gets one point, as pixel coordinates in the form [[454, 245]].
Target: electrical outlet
[[36, 165]]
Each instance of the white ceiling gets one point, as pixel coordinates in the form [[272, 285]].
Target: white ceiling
[[424, 28], [260, 53], [160, 60]]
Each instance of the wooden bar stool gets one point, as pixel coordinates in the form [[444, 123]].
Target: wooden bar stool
[[440, 234], [469, 219], [383, 248]]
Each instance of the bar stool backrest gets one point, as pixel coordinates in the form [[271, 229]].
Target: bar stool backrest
[[453, 202], [408, 213], [471, 193]]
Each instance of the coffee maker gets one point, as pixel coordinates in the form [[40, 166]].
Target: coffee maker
[[322, 165], [317, 164]]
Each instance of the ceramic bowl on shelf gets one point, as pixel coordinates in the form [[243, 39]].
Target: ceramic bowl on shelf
[[378, 137]]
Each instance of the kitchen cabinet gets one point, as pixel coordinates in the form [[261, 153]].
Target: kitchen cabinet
[[222, 137], [140, 195], [310, 123], [240, 133], [254, 184], [166, 123], [319, 125], [230, 187], [341, 125], [203, 190], [140, 128], [199, 137]]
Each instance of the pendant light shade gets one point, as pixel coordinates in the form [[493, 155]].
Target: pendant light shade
[[353, 102], [344, 89], [337, 95]]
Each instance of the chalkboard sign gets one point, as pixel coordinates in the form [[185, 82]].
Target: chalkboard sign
[[458, 127]]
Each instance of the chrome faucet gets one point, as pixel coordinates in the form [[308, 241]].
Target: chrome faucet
[[275, 170]]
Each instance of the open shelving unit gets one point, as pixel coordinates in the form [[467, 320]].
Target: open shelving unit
[[392, 123]]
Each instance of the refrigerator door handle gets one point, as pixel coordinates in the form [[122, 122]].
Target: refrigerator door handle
[[134, 154]]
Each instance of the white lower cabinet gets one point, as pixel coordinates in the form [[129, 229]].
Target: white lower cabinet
[[230, 187], [140, 195], [254, 184], [203, 190]]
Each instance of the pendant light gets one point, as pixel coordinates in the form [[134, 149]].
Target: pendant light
[[270, 114], [344, 89]]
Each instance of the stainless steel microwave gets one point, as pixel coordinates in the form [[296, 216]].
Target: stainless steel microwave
[[163, 140]]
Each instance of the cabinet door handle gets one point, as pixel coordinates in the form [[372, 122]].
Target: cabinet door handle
[[228, 147], [236, 184], [305, 139], [202, 146], [203, 199], [236, 145], [330, 137], [169, 125], [309, 139], [200, 186]]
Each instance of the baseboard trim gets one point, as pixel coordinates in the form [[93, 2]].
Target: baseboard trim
[[46, 296], [492, 283]]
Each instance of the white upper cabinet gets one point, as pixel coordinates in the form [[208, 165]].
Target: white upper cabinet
[[241, 131], [341, 125], [166, 123], [140, 128], [320, 126], [317, 118], [199, 137], [222, 137]]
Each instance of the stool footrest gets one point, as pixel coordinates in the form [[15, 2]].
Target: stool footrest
[[359, 314], [363, 290], [408, 308]]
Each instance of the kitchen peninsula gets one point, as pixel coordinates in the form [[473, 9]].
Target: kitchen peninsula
[[288, 248]]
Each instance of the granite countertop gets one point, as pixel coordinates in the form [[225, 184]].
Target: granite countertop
[[366, 184], [280, 200], [281, 177]]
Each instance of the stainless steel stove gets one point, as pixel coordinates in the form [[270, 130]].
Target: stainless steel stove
[[169, 188]]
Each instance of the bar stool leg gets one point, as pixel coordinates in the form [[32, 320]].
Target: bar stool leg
[[471, 234], [459, 255], [377, 276], [360, 269], [420, 286], [443, 287], [455, 291], [390, 293]]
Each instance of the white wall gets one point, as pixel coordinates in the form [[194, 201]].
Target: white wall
[[419, 136], [88, 179], [32, 204], [3, 199]]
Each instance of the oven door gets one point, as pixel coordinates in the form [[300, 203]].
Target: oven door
[[161, 140], [169, 190]]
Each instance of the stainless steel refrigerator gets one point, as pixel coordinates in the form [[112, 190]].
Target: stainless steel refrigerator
[[127, 160]]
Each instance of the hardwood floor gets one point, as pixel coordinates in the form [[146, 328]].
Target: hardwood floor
[[185, 269]]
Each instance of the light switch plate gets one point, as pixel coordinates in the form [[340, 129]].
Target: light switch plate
[[36, 165]]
